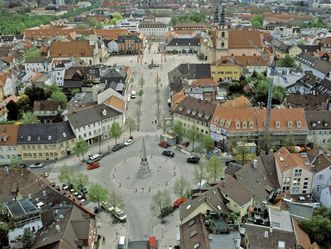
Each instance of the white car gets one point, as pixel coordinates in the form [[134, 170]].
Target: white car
[[36, 165], [133, 94], [128, 142]]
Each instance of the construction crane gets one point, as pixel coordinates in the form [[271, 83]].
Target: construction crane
[[273, 72]]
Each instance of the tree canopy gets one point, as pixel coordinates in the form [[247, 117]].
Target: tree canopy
[[98, 193], [182, 187], [80, 148], [215, 169], [196, 17], [257, 21], [116, 131], [160, 201], [319, 227], [287, 61], [29, 118]]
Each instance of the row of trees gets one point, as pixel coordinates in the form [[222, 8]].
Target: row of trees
[[213, 171], [15, 23], [97, 193], [116, 130]]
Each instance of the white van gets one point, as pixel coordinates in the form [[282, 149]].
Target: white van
[[121, 243], [133, 94]]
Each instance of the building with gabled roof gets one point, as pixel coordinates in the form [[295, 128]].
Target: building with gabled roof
[[237, 197], [93, 123], [228, 124], [228, 42], [41, 142], [83, 50], [8, 142], [319, 124], [293, 172], [195, 112]]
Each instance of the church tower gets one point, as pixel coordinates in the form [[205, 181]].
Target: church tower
[[222, 36]]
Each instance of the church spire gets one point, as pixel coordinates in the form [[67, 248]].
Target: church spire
[[217, 14], [222, 18]]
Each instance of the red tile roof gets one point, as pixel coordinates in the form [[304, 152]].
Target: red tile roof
[[71, 49]]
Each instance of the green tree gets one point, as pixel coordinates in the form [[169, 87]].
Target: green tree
[[242, 150], [193, 135], [61, 98], [257, 21], [15, 162], [130, 124], [116, 131], [80, 148], [160, 201], [27, 239], [29, 118], [289, 140], [164, 124], [31, 53], [200, 173], [182, 187], [66, 175], [208, 143], [319, 227], [115, 200], [52, 88], [4, 229], [215, 169], [287, 61], [98, 193], [301, 43], [79, 180], [178, 130]]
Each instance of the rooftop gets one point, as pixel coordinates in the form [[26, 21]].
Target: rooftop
[[280, 219]]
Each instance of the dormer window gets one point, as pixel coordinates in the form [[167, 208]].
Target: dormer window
[[228, 123], [237, 125], [200, 114], [181, 108], [289, 124], [188, 111], [326, 124], [222, 121], [298, 124], [277, 124], [244, 125], [251, 124], [207, 116], [194, 112]]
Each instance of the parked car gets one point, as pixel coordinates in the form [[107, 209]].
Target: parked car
[[168, 153], [116, 212], [93, 165], [36, 165], [133, 94], [228, 162], [94, 158], [128, 142], [117, 147], [164, 144], [193, 159], [202, 184], [179, 202]]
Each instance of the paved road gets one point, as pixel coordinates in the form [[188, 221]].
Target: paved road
[[140, 223]]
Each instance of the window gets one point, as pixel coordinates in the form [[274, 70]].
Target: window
[[320, 177], [286, 180], [297, 172]]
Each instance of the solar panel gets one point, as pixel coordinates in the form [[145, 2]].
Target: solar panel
[[28, 206]]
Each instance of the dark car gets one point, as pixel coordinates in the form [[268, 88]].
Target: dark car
[[97, 210], [187, 143], [193, 159], [168, 153], [228, 162], [117, 147]]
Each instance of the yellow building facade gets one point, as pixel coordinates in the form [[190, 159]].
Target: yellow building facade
[[223, 72]]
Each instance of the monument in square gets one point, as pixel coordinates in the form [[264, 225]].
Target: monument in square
[[144, 169]]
